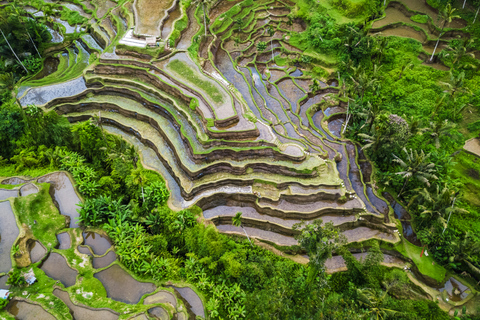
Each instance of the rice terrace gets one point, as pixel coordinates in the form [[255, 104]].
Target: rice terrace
[[239, 159]]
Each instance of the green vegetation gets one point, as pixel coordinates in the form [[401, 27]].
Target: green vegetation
[[410, 119], [182, 69], [420, 18]]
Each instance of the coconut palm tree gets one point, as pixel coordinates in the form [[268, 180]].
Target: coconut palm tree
[[437, 129], [203, 3], [271, 32], [19, 14], [447, 15], [373, 301], [476, 14], [237, 222], [139, 178], [7, 83], [459, 50], [436, 205], [14, 53], [416, 165]]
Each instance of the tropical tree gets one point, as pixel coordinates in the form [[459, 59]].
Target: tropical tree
[[139, 178], [14, 53], [437, 129], [374, 302], [373, 140], [7, 83], [459, 49], [271, 32], [447, 15], [261, 46], [466, 250], [315, 86], [435, 205], [415, 165], [237, 222], [319, 242], [203, 3]]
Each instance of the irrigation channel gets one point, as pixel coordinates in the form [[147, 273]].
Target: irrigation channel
[[230, 128]]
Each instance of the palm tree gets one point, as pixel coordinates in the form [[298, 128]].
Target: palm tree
[[455, 84], [373, 301], [464, 250], [7, 82], [437, 204], [459, 50], [415, 166], [370, 114], [139, 178], [476, 14], [237, 41], [203, 2], [8, 43], [18, 13], [447, 15], [271, 32], [237, 222], [437, 129]]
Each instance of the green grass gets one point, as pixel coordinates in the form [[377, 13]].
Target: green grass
[[9, 171], [183, 70], [420, 18], [39, 207], [466, 171], [425, 264]]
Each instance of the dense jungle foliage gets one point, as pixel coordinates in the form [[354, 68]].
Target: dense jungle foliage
[[410, 118]]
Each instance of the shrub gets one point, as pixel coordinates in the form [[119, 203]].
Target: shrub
[[420, 18]]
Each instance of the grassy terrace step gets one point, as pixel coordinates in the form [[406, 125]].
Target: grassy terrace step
[[328, 176], [70, 66], [223, 115], [132, 105], [144, 120], [224, 214], [243, 129], [359, 234], [182, 68], [346, 224]]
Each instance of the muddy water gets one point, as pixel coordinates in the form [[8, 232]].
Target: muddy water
[[192, 29], [158, 313], [56, 267], [393, 15], [22, 310], [8, 235], [194, 302], [64, 195], [317, 119], [404, 217], [28, 189], [161, 297], [261, 234], [56, 36], [99, 243], [82, 313], [3, 282], [168, 24], [91, 42], [332, 110], [50, 65], [64, 241], [41, 95], [6, 193], [364, 233], [37, 251], [378, 203], [422, 6], [121, 286], [14, 181], [456, 290], [336, 126], [404, 32], [84, 250], [104, 261]]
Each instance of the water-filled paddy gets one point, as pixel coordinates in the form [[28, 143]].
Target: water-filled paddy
[[56, 267], [8, 235], [121, 286]]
